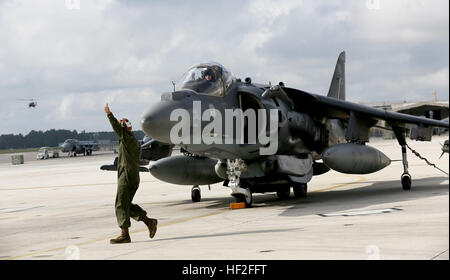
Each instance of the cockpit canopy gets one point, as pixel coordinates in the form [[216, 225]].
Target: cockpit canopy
[[207, 78]]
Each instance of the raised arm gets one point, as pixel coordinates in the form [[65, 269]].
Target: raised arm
[[114, 123]]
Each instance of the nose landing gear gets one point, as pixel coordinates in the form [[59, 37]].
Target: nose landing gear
[[238, 190]]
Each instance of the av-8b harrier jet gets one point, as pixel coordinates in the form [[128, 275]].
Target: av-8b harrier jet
[[266, 138], [74, 147]]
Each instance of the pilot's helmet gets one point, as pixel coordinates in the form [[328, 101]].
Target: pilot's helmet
[[209, 72]]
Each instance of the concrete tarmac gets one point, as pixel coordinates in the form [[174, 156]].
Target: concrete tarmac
[[64, 209]]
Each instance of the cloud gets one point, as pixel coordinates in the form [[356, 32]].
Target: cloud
[[65, 107], [127, 52], [436, 79], [408, 21]]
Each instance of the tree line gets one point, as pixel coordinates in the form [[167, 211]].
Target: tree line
[[53, 137]]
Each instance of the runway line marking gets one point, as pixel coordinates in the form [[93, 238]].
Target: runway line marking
[[361, 179], [112, 236], [360, 212], [441, 253], [18, 209], [65, 186], [164, 225]]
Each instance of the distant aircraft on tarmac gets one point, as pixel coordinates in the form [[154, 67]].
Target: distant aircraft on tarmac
[[74, 147], [278, 137]]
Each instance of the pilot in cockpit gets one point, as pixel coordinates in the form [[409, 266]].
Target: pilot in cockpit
[[208, 74], [207, 82], [207, 79]]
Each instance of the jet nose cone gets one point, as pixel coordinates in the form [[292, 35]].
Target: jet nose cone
[[156, 123], [66, 147]]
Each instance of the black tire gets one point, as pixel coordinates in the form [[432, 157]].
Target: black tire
[[300, 189], [283, 192], [406, 182], [242, 198], [196, 194]]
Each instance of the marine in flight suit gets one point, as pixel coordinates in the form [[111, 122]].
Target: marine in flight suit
[[128, 180]]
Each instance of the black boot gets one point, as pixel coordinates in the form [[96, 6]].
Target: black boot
[[152, 226], [123, 238]]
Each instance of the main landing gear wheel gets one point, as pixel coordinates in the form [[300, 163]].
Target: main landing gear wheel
[[300, 189], [196, 194], [406, 182], [248, 200], [406, 178], [283, 192]]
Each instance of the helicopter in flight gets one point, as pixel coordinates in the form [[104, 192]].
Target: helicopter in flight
[[32, 103]]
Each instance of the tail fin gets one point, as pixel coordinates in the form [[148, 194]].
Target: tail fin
[[337, 87]]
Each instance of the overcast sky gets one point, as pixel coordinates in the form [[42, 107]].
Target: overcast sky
[[74, 56]]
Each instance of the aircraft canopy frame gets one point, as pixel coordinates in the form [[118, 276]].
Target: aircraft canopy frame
[[217, 84]]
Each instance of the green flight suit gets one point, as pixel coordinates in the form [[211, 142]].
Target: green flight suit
[[127, 176]]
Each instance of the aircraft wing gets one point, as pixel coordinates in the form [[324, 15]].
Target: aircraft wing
[[88, 144], [150, 151], [154, 150], [323, 106], [113, 167]]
